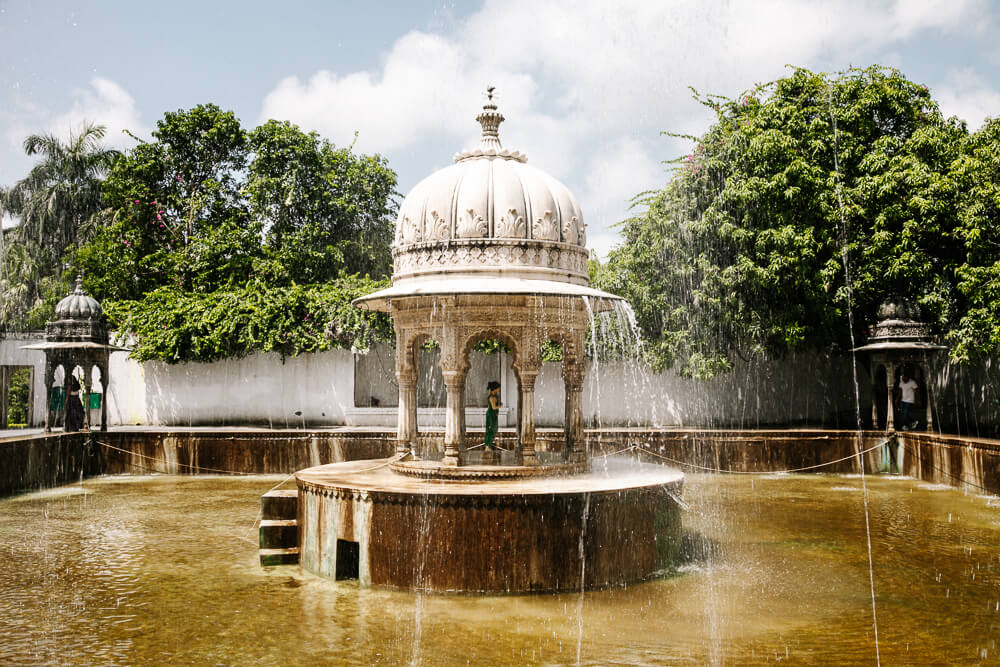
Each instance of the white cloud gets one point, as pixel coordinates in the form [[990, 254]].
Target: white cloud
[[966, 95], [104, 103], [582, 82], [595, 67], [420, 89]]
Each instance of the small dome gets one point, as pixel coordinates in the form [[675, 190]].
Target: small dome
[[898, 310], [78, 306], [490, 212]]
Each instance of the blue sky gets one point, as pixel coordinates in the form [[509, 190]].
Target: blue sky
[[586, 86]]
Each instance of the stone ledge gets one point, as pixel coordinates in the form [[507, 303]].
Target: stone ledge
[[436, 470]]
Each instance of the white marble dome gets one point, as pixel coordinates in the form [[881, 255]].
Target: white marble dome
[[490, 214], [78, 305]]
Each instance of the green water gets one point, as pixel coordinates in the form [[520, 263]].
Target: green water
[[164, 570]]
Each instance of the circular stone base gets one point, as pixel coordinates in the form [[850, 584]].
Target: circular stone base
[[437, 470], [617, 524]]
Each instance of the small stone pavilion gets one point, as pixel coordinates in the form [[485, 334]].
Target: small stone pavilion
[[77, 337], [899, 340], [490, 248]]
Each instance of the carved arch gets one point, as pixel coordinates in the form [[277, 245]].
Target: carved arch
[[406, 354], [473, 335]]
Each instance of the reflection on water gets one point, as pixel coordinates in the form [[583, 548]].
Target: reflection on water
[[157, 569]]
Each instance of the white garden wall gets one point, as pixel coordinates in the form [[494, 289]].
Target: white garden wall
[[318, 390], [311, 389]]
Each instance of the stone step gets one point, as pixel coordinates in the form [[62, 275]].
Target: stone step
[[280, 504], [279, 533], [269, 557]]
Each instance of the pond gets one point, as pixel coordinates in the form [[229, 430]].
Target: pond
[[126, 570]]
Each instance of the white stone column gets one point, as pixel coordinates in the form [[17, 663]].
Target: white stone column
[[890, 384], [875, 366], [926, 367], [86, 387], [454, 425], [575, 443], [526, 402], [406, 431], [406, 381], [106, 385], [48, 380]]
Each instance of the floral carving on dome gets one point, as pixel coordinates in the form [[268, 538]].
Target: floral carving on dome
[[511, 226], [411, 233], [468, 254], [471, 225], [437, 227], [546, 228], [571, 230]]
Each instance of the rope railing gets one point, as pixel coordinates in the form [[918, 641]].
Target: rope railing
[[178, 463], [643, 450]]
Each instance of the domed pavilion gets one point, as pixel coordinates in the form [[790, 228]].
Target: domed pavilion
[[899, 341], [490, 248], [77, 337]]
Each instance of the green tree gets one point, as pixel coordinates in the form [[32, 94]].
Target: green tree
[[175, 211], [19, 398], [209, 228], [977, 172], [744, 251], [326, 210], [172, 324], [63, 190]]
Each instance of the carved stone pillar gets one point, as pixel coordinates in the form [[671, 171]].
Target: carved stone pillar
[[406, 381], [926, 368], [520, 408], [454, 432], [890, 384], [875, 365], [573, 375], [526, 402], [48, 380], [406, 425], [454, 367], [86, 387], [106, 384]]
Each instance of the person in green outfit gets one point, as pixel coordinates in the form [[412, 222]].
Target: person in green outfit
[[492, 412]]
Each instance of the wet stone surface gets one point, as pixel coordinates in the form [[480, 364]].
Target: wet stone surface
[[143, 570]]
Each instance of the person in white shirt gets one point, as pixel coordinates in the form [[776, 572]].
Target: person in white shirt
[[907, 398]]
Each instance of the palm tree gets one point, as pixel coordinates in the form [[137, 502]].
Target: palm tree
[[63, 190], [19, 285], [52, 206]]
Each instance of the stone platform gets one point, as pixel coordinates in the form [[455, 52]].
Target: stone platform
[[484, 466], [617, 524]]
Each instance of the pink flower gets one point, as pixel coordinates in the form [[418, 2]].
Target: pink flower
[[136, 201], [159, 218]]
